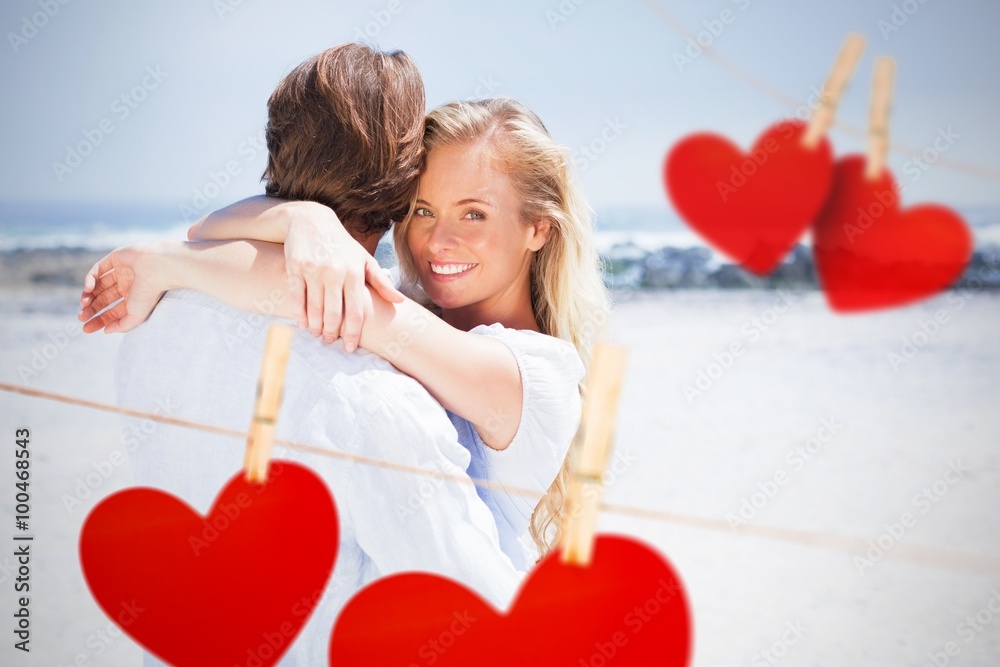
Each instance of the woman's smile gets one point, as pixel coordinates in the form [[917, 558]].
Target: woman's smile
[[447, 271]]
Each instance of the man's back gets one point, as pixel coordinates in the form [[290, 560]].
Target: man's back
[[198, 359]]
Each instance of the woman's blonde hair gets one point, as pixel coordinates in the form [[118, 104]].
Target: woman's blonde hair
[[568, 294]]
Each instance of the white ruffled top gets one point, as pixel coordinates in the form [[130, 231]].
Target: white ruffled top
[[551, 371]]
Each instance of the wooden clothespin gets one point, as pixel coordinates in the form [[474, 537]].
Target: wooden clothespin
[[878, 117], [600, 407], [270, 385], [826, 107]]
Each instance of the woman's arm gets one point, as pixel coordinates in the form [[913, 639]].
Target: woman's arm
[[259, 218], [139, 274], [249, 275], [327, 268], [474, 376]]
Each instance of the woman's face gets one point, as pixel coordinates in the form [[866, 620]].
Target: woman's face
[[467, 240]]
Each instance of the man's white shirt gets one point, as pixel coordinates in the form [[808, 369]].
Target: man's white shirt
[[200, 358]]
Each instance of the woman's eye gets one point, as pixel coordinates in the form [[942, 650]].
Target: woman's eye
[[475, 215], [423, 212]]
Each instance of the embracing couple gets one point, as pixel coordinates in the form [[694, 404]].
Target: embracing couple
[[467, 358]]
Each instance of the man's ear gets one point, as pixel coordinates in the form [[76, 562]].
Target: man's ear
[[540, 234]]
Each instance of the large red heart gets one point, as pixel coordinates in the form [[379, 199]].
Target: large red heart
[[628, 608], [751, 206], [870, 254], [233, 587]]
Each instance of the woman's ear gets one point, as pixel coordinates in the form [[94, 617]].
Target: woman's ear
[[540, 230]]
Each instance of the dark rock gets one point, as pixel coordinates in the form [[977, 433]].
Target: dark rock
[[983, 270], [731, 276], [798, 270], [47, 267], [674, 267]]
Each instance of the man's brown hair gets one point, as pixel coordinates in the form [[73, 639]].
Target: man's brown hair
[[345, 129]]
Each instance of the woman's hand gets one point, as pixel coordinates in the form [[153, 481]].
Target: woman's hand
[[325, 266], [133, 274], [327, 274]]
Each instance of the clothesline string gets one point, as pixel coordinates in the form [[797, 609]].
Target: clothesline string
[[855, 546], [792, 102]]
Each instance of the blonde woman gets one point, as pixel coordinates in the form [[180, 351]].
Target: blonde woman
[[499, 239]]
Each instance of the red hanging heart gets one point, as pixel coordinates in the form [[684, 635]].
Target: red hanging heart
[[870, 254], [751, 206], [628, 608], [219, 589]]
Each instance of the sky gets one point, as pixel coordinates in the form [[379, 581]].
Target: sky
[[151, 102]]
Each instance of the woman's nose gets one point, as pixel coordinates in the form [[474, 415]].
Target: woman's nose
[[441, 237]]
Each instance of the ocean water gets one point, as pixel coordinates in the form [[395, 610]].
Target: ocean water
[[94, 226], [103, 226]]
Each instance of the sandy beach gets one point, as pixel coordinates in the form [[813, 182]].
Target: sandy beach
[[814, 400]]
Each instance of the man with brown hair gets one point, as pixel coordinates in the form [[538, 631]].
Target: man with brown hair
[[344, 130]]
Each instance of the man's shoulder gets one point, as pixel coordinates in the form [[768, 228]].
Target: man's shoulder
[[186, 318], [190, 299]]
